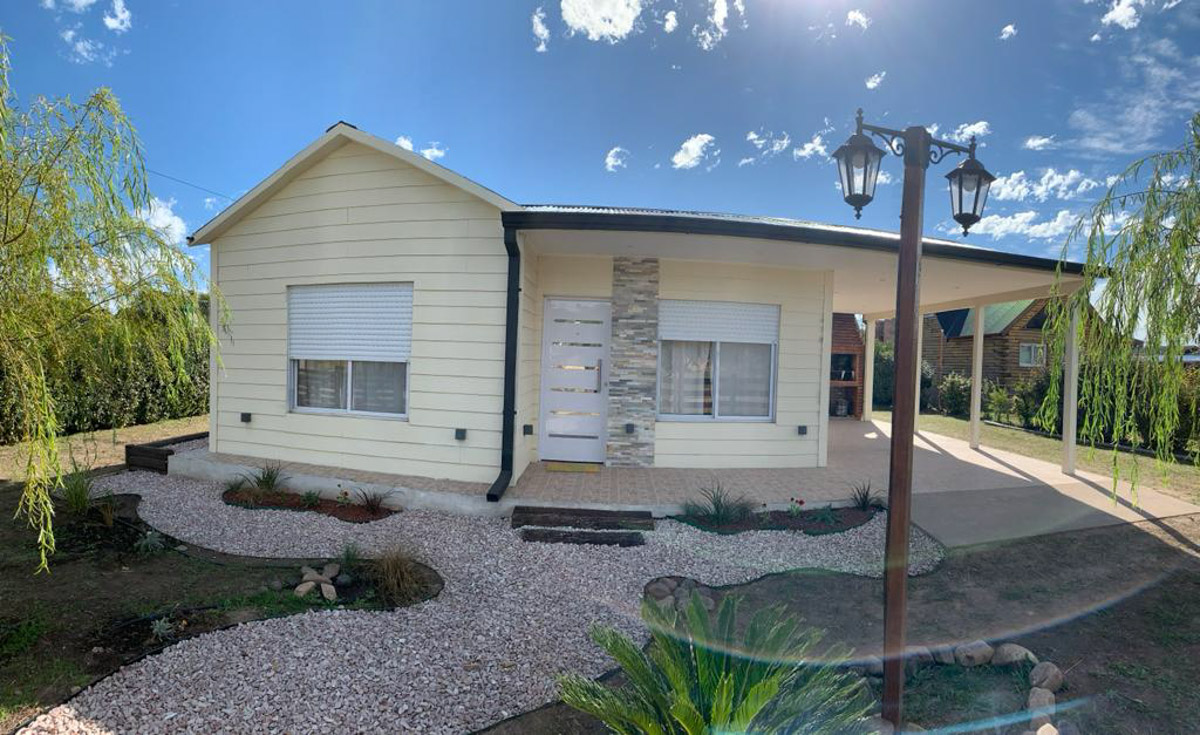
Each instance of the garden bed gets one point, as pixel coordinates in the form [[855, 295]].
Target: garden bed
[[249, 497], [812, 522]]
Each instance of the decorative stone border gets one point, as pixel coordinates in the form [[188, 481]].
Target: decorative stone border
[[1045, 679]]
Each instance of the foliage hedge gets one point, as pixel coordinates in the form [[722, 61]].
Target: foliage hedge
[[107, 379], [885, 378]]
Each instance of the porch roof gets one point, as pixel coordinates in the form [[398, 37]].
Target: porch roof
[[954, 275]]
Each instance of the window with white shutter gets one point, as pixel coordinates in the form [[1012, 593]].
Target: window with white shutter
[[717, 360], [349, 347]]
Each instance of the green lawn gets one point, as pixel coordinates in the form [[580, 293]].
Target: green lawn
[[1182, 481]]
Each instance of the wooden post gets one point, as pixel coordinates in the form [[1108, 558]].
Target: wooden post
[[977, 375], [920, 363], [868, 369], [904, 418], [1070, 393]]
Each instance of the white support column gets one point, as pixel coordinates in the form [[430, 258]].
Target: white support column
[[920, 363], [1070, 394], [976, 375], [868, 369]]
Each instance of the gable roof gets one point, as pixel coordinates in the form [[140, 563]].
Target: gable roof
[[335, 137], [996, 318]]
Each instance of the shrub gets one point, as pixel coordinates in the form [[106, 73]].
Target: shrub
[[997, 403], [885, 372], [864, 497], [106, 507], [151, 542], [311, 499], [699, 676], [76, 490], [372, 501], [268, 478], [237, 483], [954, 394], [398, 579], [1186, 404], [162, 629], [1028, 396], [718, 508]]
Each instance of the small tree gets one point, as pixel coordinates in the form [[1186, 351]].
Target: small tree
[[76, 252], [1141, 269]]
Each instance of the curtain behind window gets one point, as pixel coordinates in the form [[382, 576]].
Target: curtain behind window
[[745, 380], [321, 383], [686, 383], [378, 386]]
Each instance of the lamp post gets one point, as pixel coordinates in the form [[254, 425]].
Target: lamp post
[[858, 167]]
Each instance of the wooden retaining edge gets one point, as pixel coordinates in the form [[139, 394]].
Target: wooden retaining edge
[[154, 455]]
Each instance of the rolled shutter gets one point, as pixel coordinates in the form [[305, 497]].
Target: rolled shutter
[[718, 321], [361, 321]]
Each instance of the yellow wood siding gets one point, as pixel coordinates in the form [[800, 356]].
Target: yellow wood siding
[[803, 301], [361, 216]]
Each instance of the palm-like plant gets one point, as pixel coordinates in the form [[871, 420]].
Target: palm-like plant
[[698, 676]]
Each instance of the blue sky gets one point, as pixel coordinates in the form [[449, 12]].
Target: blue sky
[[723, 105]]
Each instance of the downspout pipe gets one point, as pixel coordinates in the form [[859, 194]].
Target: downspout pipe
[[509, 412]]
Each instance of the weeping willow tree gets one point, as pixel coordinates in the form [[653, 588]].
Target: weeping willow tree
[[79, 267], [1138, 307]]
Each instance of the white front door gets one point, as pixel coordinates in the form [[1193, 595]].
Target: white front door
[[574, 380]]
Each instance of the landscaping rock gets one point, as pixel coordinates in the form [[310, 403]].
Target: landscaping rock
[[1066, 727], [943, 655], [343, 580], [916, 658], [328, 592], [1046, 676], [880, 726], [331, 570], [658, 590], [1041, 706], [1008, 654], [1048, 729], [975, 653], [311, 576], [304, 588]]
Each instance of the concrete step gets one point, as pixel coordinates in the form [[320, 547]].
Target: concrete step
[[614, 520], [572, 536]]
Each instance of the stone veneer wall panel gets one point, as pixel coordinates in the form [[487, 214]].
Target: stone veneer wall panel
[[633, 362]]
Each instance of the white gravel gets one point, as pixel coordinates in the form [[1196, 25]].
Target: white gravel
[[513, 615]]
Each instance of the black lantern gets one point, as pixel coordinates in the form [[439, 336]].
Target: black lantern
[[858, 166], [969, 184]]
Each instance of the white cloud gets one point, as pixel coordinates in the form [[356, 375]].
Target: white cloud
[[1096, 37], [814, 147], [1039, 143], [433, 152], [120, 20], [1168, 4], [858, 18], [694, 151], [963, 132], [160, 216], [883, 179], [75, 6], [405, 142], [1022, 224], [211, 203], [1053, 184], [670, 22], [540, 31], [601, 20], [1008, 31], [767, 144], [615, 159], [875, 80], [710, 35], [1154, 91], [1124, 13], [86, 50]]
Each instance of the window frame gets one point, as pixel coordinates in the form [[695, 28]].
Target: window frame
[[716, 416], [293, 388], [1039, 351]]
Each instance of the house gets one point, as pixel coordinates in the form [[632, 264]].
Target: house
[[1013, 347], [391, 316]]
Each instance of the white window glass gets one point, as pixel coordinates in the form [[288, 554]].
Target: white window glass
[[744, 382], [378, 387], [321, 384], [686, 380]]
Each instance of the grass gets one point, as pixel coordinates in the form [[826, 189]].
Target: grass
[[101, 448], [1179, 480], [18, 636], [972, 694]]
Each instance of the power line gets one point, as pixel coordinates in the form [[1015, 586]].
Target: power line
[[188, 183]]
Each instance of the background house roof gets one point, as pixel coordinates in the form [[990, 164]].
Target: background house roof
[[996, 318]]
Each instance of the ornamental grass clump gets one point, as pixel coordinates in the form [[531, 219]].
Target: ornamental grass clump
[[397, 577], [719, 508], [699, 675], [76, 490]]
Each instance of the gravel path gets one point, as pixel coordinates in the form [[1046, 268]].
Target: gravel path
[[512, 616]]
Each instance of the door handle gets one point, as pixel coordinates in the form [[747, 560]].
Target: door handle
[[600, 375]]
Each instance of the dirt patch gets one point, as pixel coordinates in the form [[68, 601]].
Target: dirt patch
[[280, 500], [812, 522], [95, 611]]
